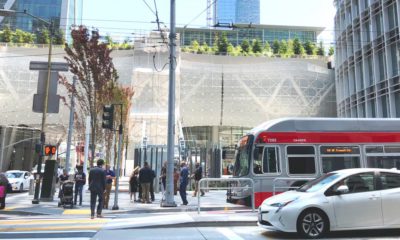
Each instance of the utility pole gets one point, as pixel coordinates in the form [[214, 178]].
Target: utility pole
[[115, 207], [168, 201], [71, 125]]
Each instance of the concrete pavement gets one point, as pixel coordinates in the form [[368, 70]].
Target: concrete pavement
[[214, 211]]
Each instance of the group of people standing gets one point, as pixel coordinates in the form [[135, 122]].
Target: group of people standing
[[141, 181]]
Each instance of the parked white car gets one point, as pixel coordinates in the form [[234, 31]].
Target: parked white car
[[19, 180], [362, 198]]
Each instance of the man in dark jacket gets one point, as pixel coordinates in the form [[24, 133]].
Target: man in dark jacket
[[80, 180], [97, 185], [145, 178], [184, 177], [198, 174]]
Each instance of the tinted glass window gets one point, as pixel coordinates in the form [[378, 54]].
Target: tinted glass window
[[362, 182], [301, 165], [330, 164], [390, 180], [383, 162], [271, 160], [299, 150]]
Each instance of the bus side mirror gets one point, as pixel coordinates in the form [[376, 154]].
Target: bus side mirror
[[342, 189]]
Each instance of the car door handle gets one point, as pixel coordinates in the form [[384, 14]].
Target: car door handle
[[373, 197]]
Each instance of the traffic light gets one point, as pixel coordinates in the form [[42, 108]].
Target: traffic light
[[49, 150], [108, 116]]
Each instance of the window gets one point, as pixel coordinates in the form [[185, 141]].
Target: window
[[339, 157], [362, 182], [389, 180], [301, 159], [385, 156], [266, 160]]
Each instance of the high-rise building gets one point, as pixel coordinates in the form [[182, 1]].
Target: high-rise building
[[237, 11], [64, 13], [367, 58]]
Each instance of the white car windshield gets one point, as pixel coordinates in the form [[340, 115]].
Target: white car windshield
[[14, 175], [317, 184]]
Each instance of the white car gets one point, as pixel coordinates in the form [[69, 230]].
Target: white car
[[362, 198], [19, 180]]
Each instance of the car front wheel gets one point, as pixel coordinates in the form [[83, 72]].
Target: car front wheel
[[312, 224], [21, 187]]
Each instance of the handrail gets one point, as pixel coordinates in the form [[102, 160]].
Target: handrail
[[274, 187], [237, 180]]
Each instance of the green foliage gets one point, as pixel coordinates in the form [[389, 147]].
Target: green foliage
[[205, 48], [18, 36], [283, 47], [321, 49], [215, 44], [298, 48], [195, 46], [43, 36], [245, 46], [29, 38], [267, 47], [275, 47], [59, 37], [256, 46], [223, 44], [309, 47], [331, 51], [231, 49], [7, 35]]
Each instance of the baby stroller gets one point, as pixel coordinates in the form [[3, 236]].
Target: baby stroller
[[66, 194]]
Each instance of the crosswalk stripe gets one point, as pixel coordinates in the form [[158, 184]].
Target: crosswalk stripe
[[76, 212], [229, 234], [49, 228], [53, 221]]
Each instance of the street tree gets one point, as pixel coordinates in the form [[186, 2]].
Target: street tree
[[298, 48], [275, 47], [195, 46], [90, 60], [283, 47], [7, 34], [43, 36], [256, 46], [267, 47], [245, 46], [321, 49], [309, 47], [223, 44], [331, 51]]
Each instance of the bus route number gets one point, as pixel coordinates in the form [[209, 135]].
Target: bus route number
[[271, 140]]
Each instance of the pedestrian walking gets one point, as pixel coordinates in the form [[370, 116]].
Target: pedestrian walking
[[3, 190], [184, 177], [153, 176], [110, 175], [133, 183], [80, 181], [97, 186], [63, 178], [176, 179], [198, 174], [163, 176], [145, 178]]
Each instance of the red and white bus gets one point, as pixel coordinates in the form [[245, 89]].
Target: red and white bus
[[285, 153]]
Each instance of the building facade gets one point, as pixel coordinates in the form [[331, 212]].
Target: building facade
[[64, 13], [264, 33], [367, 58], [237, 11]]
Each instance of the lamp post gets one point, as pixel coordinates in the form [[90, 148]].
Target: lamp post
[[5, 12]]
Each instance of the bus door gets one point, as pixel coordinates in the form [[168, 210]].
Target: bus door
[[266, 167]]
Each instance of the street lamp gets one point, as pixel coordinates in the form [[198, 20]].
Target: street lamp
[[5, 13]]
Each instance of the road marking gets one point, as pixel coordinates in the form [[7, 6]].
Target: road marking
[[50, 228], [53, 221], [229, 234], [77, 212]]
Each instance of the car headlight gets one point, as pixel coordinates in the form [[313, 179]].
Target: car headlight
[[281, 205]]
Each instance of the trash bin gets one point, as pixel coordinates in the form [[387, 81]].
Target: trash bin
[[31, 186]]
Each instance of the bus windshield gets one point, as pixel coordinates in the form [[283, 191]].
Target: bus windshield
[[242, 158]]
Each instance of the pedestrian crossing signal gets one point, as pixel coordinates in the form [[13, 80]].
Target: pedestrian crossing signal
[[49, 150]]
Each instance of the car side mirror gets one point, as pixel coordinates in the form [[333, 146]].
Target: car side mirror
[[26, 177], [342, 189]]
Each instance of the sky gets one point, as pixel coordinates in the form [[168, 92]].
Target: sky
[[129, 18]]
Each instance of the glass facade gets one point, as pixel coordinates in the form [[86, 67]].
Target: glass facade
[[264, 33], [367, 64], [64, 13], [237, 11]]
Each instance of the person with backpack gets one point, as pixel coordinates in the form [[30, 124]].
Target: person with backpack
[[80, 181]]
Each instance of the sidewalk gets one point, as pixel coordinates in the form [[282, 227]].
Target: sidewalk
[[214, 209]]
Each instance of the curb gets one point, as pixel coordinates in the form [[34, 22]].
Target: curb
[[251, 223]]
